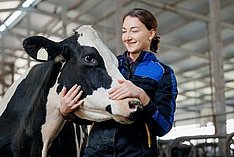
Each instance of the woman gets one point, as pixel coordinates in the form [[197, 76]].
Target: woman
[[148, 79]]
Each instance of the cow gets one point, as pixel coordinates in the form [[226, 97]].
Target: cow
[[29, 112]]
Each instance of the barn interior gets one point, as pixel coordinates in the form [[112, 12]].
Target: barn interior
[[197, 41]]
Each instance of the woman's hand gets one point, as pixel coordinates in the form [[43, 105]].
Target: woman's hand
[[70, 100], [127, 89]]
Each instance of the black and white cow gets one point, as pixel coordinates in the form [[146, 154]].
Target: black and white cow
[[29, 112]]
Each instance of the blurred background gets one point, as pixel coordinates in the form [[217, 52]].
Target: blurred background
[[197, 41]]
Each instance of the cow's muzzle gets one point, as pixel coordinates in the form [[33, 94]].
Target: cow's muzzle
[[127, 108], [135, 104]]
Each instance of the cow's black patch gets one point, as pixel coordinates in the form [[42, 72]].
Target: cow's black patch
[[20, 123], [84, 67]]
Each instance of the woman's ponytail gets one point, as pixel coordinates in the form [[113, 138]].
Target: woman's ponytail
[[154, 45]]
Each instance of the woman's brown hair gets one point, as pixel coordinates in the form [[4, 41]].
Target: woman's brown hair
[[150, 22]]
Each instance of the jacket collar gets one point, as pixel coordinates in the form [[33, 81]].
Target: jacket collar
[[144, 56]]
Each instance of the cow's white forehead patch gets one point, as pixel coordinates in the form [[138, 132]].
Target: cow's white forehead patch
[[89, 37]]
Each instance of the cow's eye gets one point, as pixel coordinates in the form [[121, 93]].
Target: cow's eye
[[89, 59]]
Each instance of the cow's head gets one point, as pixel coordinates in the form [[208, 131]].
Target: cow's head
[[89, 63]]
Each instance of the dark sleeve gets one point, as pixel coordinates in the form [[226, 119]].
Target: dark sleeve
[[159, 113]]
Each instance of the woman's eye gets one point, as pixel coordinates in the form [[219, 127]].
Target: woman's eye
[[135, 31], [89, 59]]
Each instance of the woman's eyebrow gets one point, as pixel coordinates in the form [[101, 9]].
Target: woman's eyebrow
[[134, 27], [131, 27]]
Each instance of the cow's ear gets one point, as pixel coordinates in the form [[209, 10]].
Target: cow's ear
[[41, 48], [69, 44]]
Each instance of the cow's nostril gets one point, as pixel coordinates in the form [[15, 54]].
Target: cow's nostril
[[135, 104], [108, 109]]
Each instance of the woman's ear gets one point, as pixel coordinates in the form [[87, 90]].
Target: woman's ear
[[152, 34]]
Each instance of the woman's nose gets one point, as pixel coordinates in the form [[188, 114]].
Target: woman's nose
[[128, 36]]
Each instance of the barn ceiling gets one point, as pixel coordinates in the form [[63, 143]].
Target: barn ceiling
[[183, 28]]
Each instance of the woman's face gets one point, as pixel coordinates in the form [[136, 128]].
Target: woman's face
[[135, 36]]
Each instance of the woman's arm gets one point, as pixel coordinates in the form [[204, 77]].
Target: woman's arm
[[159, 109], [159, 113]]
